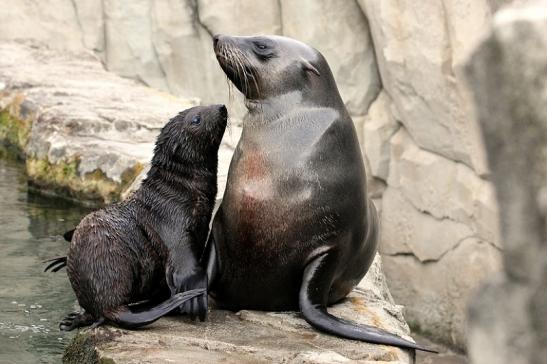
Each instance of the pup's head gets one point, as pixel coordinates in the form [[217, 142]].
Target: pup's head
[[193, 136]]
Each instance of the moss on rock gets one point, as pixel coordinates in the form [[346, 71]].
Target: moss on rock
[[14, 132], [81, 349], [63, 179]]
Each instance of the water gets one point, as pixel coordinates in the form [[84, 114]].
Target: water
[[32, 302]]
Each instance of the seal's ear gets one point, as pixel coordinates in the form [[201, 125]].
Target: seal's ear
[[308, 67]]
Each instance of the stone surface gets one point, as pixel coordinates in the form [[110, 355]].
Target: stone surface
[[508, 317], [439, 236], [379, 126], [52, 22], [444, 356], [254, 337], [417, 65], [427, 159], [129, 50], [89, 132], [238, 17]]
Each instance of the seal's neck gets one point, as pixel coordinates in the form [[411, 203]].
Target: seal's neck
[[267, 111], [273, 107]]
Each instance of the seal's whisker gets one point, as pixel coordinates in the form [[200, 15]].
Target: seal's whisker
[[241, 72], [225, 54]]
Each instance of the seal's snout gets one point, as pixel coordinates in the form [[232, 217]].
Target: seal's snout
[[223, 111]]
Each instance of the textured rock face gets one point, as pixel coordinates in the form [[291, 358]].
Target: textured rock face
[[398, 67], [439, 215], [254, 337], [508, 318]]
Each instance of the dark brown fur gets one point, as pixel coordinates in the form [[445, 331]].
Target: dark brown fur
[[147, 247]]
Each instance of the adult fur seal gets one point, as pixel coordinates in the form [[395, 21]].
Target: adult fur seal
[[295, 228], [147, 248]]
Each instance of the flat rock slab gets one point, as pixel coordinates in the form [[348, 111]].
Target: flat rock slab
[[252, 336], [82, 130]]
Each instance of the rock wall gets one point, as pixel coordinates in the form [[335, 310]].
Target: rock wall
[[439, 214], [508, 74], [397, 65]]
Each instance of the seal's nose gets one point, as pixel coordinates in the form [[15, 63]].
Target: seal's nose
[[222, 110], [216, 38]]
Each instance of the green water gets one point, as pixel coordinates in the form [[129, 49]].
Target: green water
[[32, 302]]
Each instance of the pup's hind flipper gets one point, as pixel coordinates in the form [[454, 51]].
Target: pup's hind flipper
[[55, 264], [313, 298], [125, 318]]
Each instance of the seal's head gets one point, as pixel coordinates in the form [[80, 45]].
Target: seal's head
[[262, 67], [192, 136]]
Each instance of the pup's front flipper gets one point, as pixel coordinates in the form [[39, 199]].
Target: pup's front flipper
[[74, 320], [183, 281]]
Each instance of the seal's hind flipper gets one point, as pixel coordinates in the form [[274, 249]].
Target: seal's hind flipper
[[127, 319], [68, 235], [313, 299], [55, 264]]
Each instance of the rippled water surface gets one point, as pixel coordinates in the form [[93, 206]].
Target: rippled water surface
[[32, 302]]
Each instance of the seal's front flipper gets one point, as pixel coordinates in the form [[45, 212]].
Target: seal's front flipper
[[68, 235], [313, 298], [55, 264], [127, 319]]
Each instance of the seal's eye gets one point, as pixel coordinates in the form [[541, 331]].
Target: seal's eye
[[261, 46], [195, 120]]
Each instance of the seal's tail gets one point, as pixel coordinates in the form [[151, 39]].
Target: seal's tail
[[125, 318], [55, 264], [313, 297]]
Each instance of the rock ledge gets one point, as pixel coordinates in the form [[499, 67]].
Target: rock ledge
[[252, 336], [84, 132]]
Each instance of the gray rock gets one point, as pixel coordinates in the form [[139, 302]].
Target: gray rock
[[439, 221], [129, 49], [89, 15], [508, 318], [418, 69], [88, 132], [53, 22], [347, 45], [379, 126], [255, 337], [238, 17]]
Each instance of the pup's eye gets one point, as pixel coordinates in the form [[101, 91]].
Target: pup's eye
[[196, 120], [261, 46]]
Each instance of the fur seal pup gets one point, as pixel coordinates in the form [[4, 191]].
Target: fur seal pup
[[295, 229], [147, 248]]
